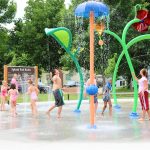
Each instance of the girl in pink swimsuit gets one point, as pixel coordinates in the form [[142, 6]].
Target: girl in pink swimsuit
[[33, 92], [3, 95], [13, 93]]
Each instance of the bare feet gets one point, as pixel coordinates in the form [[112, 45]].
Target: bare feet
[[58, 116], [102, 115], [141, 119], [48, 114]]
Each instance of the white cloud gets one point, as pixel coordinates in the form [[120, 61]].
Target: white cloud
[[21, 4]]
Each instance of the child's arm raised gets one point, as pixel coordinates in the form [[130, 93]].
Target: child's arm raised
[[134, 76]]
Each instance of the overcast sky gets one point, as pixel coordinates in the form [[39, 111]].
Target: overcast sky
[[21, 4]]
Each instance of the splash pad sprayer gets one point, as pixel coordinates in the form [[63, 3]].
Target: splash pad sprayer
[[92, 10]]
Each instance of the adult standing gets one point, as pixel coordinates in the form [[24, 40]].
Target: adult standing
[[57, 92]]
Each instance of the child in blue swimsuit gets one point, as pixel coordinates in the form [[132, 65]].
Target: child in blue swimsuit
[[107, 98]]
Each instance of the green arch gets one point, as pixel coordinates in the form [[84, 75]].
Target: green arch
[[125, 51], [64, 37]]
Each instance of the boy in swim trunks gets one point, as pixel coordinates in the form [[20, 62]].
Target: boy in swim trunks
[[57, 92]]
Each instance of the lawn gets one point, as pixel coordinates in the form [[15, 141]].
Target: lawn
[[121, 93]]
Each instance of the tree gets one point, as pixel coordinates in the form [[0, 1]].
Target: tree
[[7, 13], [120, 13], [111, 66], [31, 38]]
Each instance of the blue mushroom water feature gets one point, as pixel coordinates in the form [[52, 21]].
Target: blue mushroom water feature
[[92, 10]]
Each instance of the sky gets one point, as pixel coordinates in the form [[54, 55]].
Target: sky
[[21, 4]]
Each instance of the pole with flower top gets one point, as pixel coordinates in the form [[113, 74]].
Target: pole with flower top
[[141, 23], [92, 10]]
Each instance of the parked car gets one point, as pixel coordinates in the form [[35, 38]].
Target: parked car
[[72, 84], [42, 88]]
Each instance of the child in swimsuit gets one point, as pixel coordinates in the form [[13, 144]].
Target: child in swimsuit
[[33, 92], [4, 88], [13, 93], [107, 97]]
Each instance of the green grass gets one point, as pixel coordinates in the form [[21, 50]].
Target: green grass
[[46, 97], [123, 90]]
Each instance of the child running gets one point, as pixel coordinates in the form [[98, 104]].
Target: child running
[[33, 92], [143, 93], [13, 93], [57, 91], [107, 98], [4, 88]]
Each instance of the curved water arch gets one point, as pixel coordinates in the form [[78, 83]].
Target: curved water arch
[[131, 43]]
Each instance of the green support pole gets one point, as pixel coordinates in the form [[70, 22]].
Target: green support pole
[[116, 66], [125, 49], [64, 38]]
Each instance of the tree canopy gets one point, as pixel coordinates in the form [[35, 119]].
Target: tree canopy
[[7, 13], [27, 43]]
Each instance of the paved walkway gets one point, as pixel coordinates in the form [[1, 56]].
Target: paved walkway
[[72, 127]]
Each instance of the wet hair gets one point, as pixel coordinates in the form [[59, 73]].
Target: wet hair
[[13, 86], [53, 72], [30, 81], [144, 72]]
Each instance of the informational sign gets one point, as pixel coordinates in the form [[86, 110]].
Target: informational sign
[[23, 73]]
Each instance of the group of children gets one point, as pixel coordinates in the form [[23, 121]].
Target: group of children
[[57, 91], [12, 93]]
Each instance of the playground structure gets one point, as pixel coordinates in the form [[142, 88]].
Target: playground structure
[[64, 37], [92, 10], [137, 20]]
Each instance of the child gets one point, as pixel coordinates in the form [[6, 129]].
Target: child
[[14, 80], [95, 96], [33, 92], [13, 93], [106, 97], [143, 93], [4, 88]]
